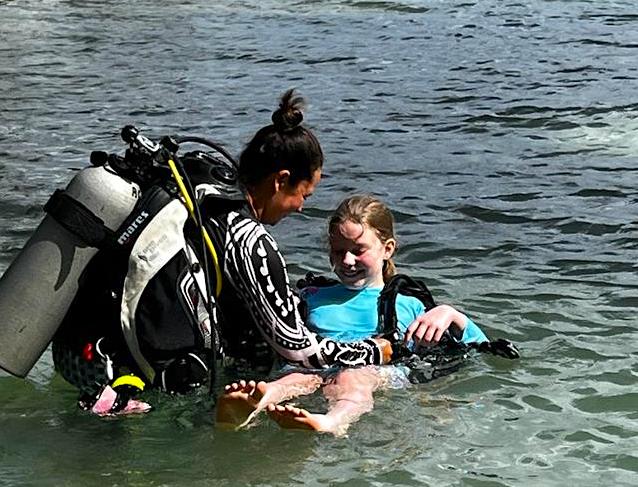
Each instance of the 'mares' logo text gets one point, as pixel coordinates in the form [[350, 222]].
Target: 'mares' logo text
[[130, 230]]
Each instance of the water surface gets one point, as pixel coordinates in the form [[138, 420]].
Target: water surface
[[501, 133]]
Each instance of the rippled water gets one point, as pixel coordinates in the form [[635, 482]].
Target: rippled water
[[502, 133]]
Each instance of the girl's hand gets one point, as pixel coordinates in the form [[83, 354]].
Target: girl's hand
[[429, 327]]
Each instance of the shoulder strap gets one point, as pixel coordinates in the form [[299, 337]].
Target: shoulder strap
[[407, 286], [161, 239], [311, 280], [148, 206]]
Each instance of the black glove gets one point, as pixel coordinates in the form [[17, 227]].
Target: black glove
[[500, 347]]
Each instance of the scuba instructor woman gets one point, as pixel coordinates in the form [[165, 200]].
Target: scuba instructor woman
[[255, 317], [279, 168]]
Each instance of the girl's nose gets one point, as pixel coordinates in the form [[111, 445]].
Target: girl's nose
[[349, 259]]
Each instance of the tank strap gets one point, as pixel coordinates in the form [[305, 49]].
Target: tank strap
[[78, 219]]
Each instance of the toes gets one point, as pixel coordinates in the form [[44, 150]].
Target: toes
[[292, 409], [241, 386]]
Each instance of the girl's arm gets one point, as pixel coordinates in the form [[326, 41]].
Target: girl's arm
[[471, 333], [429, 327]]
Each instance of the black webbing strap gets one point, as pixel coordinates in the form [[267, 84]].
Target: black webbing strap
[[78, 219]]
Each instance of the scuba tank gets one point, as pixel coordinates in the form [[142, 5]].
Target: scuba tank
[[147, 302], [40, 284], [102, 212]]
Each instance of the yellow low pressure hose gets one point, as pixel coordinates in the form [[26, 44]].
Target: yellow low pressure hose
[[191, 209]]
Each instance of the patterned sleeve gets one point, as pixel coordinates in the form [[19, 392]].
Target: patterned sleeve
[[257, 271]]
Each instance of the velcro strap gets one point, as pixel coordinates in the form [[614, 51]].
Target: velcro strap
[[77, 219]]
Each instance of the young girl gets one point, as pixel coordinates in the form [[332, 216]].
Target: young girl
[[362, 243]]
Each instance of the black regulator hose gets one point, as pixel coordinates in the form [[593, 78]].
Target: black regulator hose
[[208, 143], [199, 223]]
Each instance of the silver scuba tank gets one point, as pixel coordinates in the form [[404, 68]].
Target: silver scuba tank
[[37, 289]]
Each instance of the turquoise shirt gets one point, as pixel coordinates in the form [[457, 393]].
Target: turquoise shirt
[[347, 315]]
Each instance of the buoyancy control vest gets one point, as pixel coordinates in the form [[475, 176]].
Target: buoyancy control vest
[[429, 362], [424, 363], [143, 297]]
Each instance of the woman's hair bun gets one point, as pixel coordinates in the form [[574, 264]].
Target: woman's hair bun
[[290, 112]]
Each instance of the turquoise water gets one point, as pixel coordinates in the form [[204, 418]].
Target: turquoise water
[[503, 134]]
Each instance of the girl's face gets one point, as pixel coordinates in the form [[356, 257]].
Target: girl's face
[[357, 255]]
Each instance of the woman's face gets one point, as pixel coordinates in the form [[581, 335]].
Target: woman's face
[[287, 198], [358, 255]]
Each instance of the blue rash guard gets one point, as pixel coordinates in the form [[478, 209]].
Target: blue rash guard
[[346, 315]]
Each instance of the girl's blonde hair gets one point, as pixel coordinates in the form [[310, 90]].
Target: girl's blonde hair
[[367, 210]]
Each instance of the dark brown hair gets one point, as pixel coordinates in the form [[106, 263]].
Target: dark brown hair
[[367, 210], [285, 144]]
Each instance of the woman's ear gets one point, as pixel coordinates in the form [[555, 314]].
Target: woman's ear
[[281, 179]]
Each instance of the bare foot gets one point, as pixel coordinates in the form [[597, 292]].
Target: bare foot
[[291, 417], [242, 400], [239, 401]]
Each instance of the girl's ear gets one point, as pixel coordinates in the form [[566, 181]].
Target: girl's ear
[[389, 247]]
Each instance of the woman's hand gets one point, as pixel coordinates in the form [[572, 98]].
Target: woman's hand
[[429, 327]]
